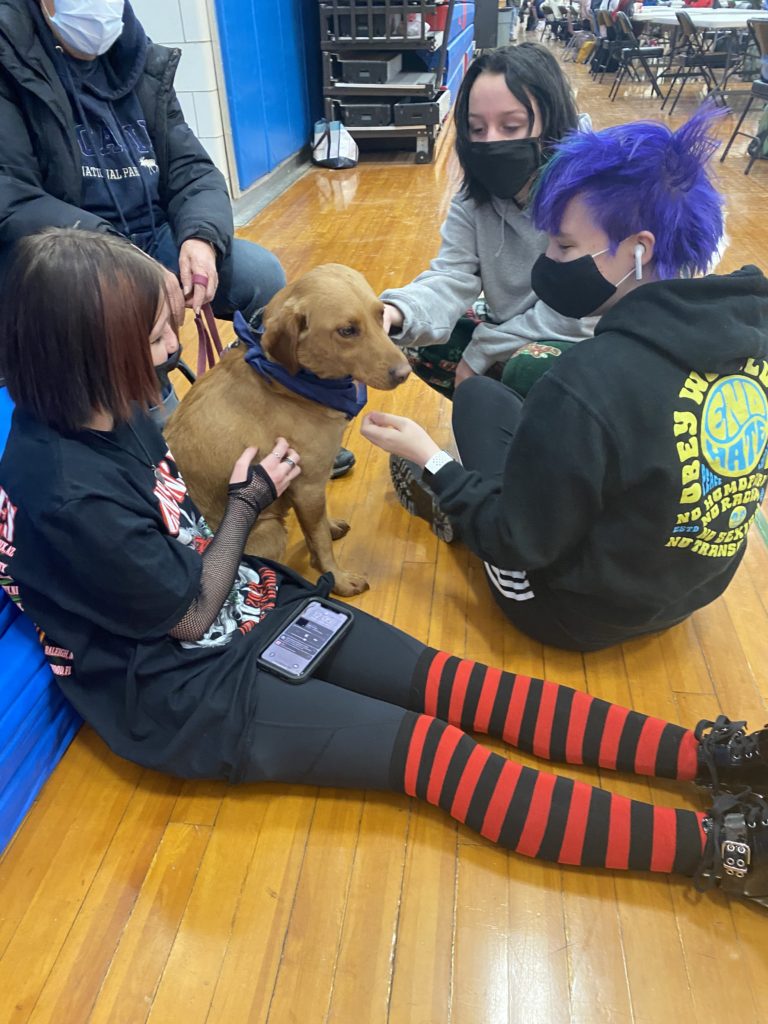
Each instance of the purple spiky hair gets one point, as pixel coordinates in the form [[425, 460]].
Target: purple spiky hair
[[641, 176]]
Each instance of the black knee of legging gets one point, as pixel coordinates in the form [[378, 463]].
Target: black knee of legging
[[318, 734], [483, 440]]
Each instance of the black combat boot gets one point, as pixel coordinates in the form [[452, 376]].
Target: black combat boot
[[736, 855], [417, 497], [731, 760]]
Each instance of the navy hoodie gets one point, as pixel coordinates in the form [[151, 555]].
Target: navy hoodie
[[120, 172]]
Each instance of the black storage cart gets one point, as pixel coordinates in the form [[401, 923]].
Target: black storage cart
[[365, 45]]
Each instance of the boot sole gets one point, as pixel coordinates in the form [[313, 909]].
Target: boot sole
[[417, 499]]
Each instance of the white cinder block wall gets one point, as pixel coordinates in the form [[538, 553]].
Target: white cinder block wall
[[186, 24]]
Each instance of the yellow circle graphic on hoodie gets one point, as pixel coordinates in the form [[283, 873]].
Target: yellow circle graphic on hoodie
[[734, 425]]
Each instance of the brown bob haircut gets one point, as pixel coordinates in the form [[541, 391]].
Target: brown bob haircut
[[76, 312]]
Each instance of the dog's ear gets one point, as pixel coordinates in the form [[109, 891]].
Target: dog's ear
[[283, 324]]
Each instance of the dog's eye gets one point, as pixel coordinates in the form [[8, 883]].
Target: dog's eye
[[347, 332]]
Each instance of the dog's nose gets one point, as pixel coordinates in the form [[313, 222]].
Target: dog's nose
[[400, 373]]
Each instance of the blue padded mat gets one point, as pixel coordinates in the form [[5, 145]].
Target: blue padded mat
[[460, 64], [36, 722], [457, 48]]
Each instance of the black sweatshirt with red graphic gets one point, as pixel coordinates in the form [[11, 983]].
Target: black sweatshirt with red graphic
[[100, 544]]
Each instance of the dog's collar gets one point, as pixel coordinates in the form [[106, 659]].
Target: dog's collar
[[342, 393], [256, 321]]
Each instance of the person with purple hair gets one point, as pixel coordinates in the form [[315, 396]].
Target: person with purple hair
[[618, 498]]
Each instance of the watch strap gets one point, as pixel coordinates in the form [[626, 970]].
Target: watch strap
[[436, 463]]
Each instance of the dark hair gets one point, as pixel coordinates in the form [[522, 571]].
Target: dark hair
[[529, 70], [641, 176], [76, 312]]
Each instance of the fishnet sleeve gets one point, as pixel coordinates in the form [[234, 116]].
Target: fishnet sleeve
[[221, 558]]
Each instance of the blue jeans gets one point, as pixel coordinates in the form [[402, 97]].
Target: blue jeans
[[248, 275]]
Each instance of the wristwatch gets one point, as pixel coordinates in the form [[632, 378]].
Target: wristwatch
[[435, 464]]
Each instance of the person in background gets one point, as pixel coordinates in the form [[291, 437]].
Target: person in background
[[618, 498], [625, 7], [514, 7], [513, 104], [610, 6], [153, 627], [585, 9]]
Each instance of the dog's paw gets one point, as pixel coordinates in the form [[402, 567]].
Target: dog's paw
[[349, 583], [339, 528]]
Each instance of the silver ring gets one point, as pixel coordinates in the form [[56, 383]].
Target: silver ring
[[290, 462]]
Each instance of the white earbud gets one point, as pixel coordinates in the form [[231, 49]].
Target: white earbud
[[639, 253]]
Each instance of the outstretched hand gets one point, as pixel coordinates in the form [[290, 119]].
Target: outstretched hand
[[281, 465], [399, 435]]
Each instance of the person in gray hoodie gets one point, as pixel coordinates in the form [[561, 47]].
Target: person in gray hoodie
[[513, 105]]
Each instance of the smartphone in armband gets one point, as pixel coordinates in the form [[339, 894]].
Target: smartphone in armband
[[312, 631]]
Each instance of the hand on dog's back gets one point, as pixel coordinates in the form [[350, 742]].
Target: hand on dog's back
[[281, 465]]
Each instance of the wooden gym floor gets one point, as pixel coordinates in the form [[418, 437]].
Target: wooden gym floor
[[127, 896]]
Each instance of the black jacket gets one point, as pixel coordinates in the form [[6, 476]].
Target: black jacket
[[40, 162], [639, 461]]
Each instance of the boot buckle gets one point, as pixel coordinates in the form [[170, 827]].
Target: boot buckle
[[736, 858], [735, 851]]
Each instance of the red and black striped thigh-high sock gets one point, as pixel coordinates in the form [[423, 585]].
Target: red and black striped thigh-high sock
[[552, 721], [536, 813]]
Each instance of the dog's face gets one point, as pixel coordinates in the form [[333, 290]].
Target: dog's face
[[329, 321]]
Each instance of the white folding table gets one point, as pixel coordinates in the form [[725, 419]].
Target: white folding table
[[706, 19], [702, 17]]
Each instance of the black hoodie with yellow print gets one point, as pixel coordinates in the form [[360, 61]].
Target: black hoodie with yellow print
[[639, 463]]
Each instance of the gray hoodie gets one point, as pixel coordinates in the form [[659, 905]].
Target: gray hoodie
[[489, 249]]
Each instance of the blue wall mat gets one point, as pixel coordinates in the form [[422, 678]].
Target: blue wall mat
[[36, 722], [463, 16], [457, 48], [459, 69], [270, 53]]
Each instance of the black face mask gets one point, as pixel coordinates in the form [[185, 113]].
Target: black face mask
[[575, 289], [506, 167], [165, 368]]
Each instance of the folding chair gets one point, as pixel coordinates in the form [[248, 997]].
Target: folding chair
[[575, 43], [563, 23], [550, 21], [608, 48], [694, 62], [601, 43], [632, 51], [759, 91]]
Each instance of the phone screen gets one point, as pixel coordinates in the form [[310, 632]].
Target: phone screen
[[304, 639]]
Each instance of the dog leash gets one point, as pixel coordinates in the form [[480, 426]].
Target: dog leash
[[207, 333]]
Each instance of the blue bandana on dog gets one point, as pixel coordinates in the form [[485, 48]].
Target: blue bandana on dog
[[342, 393]]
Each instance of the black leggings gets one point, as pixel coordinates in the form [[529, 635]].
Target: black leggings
[[483, 443], [339, 727], [385, 712]]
